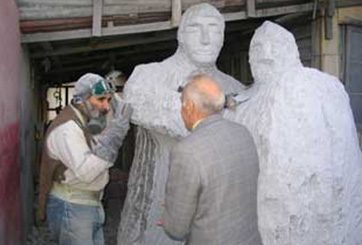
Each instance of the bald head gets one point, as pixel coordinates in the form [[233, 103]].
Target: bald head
[[205, 93]]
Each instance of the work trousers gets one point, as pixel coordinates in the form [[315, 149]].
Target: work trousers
[[75, 224]]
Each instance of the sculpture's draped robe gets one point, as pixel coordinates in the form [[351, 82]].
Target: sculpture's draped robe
[[310, 182]]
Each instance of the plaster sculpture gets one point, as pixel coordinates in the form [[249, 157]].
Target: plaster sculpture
[[152, 90], [310, 182]]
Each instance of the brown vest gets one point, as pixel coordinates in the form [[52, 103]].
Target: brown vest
[[48, 165]]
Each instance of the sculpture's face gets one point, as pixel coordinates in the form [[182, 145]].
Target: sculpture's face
[[264, 60], [202, 39], [273, 51]]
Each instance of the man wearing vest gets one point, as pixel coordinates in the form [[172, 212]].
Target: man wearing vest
[[80, 148]]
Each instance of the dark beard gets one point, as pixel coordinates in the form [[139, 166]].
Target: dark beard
[[97, 120]]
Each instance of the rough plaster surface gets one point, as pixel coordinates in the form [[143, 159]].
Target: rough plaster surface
[[310, 182], [10, 200], [152, 91]]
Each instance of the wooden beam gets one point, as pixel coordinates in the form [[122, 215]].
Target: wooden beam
[[156, 26], [97, 18], [86, 33], [124, 59], [56, 36], [250, 8], [122, 42], [74, 60], [348, 3], [330, 10], [235, 16], [284, 10], [139, 28], [176, 12]]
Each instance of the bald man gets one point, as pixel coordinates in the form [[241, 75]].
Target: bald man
[[211, 189]]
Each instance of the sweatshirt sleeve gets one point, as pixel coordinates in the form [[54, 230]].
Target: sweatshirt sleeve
[[67, 144]]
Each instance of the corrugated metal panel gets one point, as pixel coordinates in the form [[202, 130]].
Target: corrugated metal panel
[[49, 9]]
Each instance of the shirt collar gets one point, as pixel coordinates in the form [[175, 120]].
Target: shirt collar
[[196, 124], [206, 121]]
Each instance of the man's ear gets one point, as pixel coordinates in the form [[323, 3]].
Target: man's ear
[[190, 105]]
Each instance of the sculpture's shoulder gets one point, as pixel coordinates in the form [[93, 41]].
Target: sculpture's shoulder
[[151, 75], [228, 83], [324, 79], [314, 83], [311, 77], [148, 77], [149, 71]]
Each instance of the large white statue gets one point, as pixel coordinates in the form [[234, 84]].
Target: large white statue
[[153, 92], [310, 181]]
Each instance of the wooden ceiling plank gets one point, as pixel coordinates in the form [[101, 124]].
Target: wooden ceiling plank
[[157, 26]]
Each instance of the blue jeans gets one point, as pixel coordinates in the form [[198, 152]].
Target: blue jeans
[[75, 224]]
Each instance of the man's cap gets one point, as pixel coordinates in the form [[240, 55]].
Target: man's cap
[[92, 84]]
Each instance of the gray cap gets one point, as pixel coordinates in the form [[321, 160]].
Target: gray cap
[[84, 86]]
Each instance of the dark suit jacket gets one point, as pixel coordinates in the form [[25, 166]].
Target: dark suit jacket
[[211, 193]]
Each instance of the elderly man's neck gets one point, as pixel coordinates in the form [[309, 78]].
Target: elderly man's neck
[[200, 118]]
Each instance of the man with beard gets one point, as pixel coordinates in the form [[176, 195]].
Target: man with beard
[[79, 149]]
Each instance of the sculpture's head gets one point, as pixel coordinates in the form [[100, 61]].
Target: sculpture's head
[[201, 34], [272, 51]]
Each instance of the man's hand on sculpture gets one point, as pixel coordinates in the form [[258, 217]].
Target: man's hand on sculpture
[[110, 140]]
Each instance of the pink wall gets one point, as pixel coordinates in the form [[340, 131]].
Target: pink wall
[[10, 226]]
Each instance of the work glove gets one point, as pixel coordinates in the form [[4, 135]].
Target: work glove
[[110, 140]]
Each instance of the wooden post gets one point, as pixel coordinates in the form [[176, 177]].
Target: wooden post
[[250, 8], [176, 6], [97, 18], [331, 7]]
